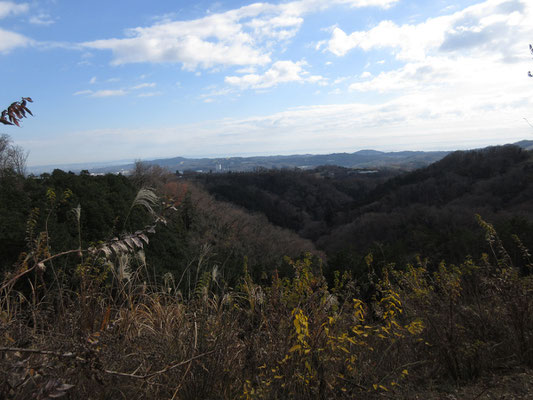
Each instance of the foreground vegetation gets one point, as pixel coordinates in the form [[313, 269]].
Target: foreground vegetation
[[113, 290], [105, 334]]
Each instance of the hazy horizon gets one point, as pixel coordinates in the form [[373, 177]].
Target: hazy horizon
[[249, 155]]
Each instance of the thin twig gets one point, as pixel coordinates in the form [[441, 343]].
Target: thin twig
[[402, 367], [181, 382], [487, 387], [166, 369], [20, 275], [38, 351], [360, 387]]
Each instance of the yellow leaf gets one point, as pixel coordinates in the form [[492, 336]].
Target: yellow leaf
[[344, 349], [294, 348], [308, 366]]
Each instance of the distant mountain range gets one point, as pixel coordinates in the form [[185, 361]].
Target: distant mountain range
[[406, 160]]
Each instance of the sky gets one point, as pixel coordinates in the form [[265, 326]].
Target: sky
[[131, 79]]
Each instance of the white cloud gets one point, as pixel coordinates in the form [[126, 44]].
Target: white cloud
[[102, 93], [109, 93], [41, 19], [368, 3], [280, 72], [8, 8], [413, 75], [461, 64], [118, 92], [340, 43], [149, 94], [341, 79], [247, 70], [82, 92], [11, 40], [239, 37], [217, 39], [144, 85], [485, 27]]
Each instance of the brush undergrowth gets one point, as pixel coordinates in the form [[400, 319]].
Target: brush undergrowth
[[95, 323]]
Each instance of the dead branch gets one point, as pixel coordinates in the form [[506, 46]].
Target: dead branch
[[38, 351], [164, 370], [21, 274]]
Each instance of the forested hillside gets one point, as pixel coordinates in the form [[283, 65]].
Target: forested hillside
[[198, 230], [331, 283], [307, 202], [430, 211]]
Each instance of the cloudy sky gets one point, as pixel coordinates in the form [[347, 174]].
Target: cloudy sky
[[127, 79]]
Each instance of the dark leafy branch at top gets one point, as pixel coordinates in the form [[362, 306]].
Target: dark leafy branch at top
[[15, 112]]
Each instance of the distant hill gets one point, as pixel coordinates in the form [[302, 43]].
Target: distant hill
[[401, 160], [525, 144], [405, 160]]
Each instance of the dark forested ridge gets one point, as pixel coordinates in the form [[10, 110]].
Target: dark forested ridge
[[307, 202], [199, 230], [266, 214], [429, 211], [334, 282]]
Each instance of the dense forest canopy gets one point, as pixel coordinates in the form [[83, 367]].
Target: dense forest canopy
[[429, 211], [339, 212]]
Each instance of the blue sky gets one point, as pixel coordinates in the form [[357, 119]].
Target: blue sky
[[136, 79]]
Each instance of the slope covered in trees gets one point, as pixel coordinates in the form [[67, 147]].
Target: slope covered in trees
[[396, 216], [431, 211], [200, 229], [112, 290], [308, 202]]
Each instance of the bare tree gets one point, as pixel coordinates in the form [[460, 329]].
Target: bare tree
[[19, 157], [12, 157], [149, 175]]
